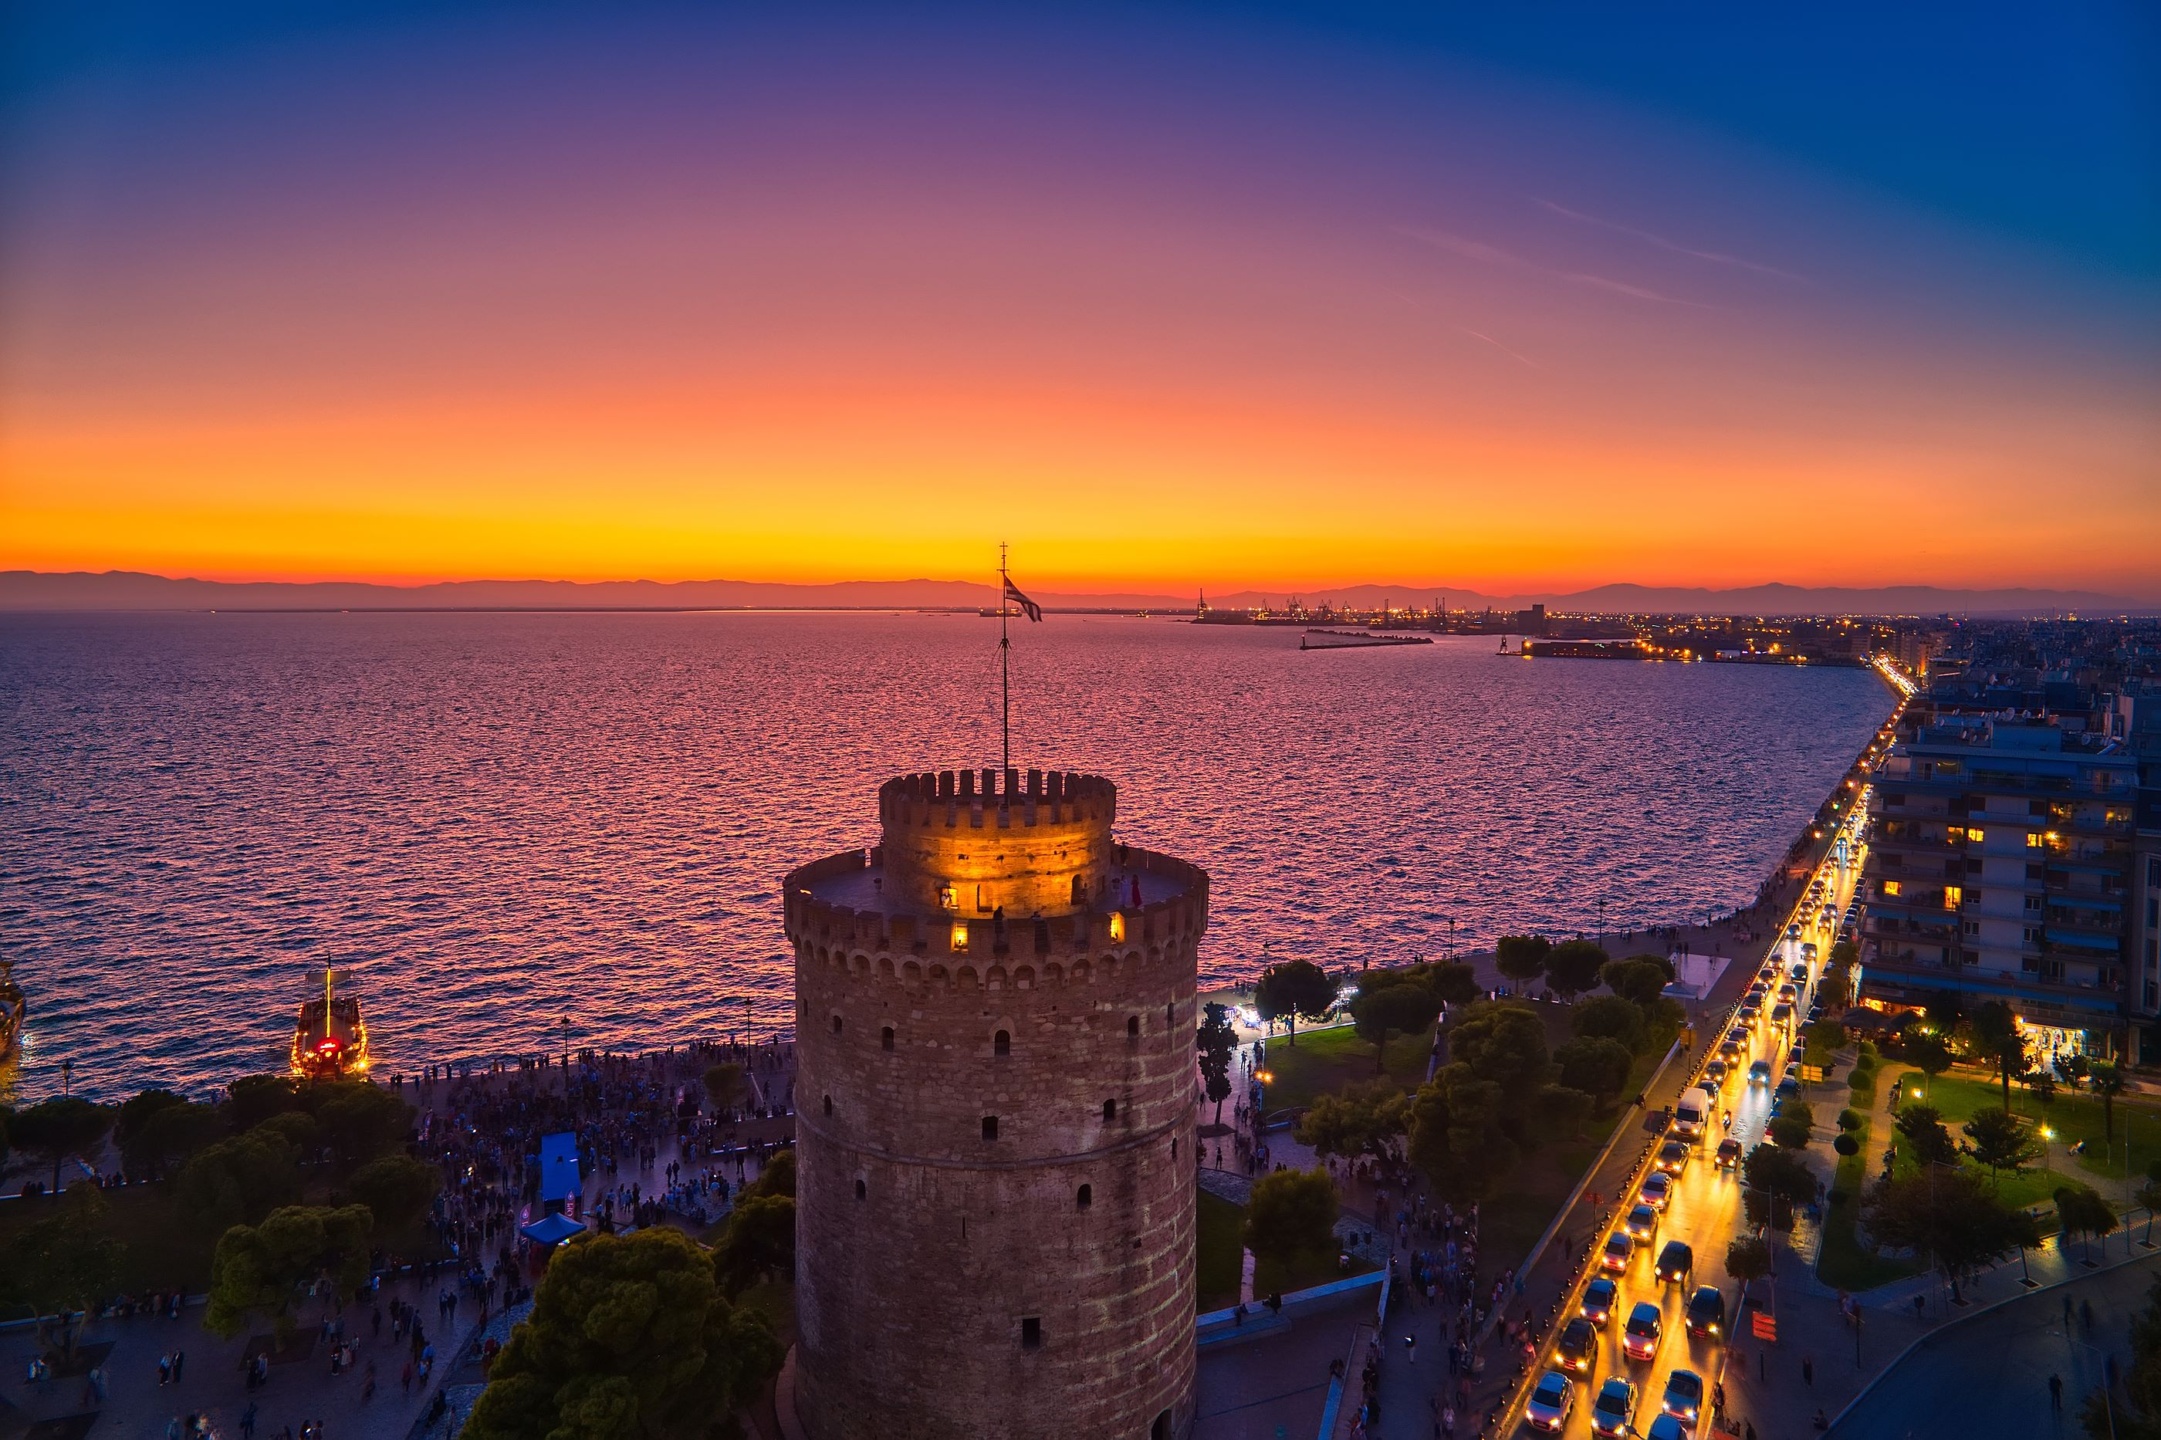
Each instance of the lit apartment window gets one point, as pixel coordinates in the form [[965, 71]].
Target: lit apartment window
[[1976, 836], [2034, 840], [1890, 888], [1953, 897]]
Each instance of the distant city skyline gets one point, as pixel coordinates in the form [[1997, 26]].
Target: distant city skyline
[[1271, 300]]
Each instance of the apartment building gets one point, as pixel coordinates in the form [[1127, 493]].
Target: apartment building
[[2001, 867]]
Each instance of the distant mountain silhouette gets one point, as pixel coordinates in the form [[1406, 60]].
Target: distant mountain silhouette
[[130, 590]]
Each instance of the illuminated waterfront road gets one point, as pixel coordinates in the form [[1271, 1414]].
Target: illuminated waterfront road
[[1705, 1211]]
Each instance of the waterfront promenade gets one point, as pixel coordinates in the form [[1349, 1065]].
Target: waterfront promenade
[[464, 1124]]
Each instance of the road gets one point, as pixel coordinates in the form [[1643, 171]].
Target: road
[[1705, 1210]]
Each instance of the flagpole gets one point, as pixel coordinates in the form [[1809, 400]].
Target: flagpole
[[1005, 674]]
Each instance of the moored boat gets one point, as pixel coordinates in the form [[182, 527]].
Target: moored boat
[[14, 1010], [330, 1039]]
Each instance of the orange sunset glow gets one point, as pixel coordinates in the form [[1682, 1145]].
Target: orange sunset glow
[[844, 320]]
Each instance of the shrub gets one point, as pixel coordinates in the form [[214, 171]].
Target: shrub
[[1850, 1119]]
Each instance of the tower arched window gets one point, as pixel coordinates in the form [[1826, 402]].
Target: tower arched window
[[836, 1024], [1133, 1027], [1084, 1197], [861, 1190], [885, 1038], [1110, 1110], [829, 1105], [1002, 1043]]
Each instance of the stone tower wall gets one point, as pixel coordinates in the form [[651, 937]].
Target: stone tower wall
[[924, 1245], [962, 843]]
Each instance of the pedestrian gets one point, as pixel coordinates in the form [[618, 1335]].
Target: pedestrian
[[1748, 1428], [165, 1363], [2055, 1391], [1410, 1347], [1808, 1371], [180, 1360]]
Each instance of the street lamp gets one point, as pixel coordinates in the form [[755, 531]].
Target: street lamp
[[67, 1076]]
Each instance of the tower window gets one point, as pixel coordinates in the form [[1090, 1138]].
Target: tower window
[[1110, 1109], [1170, 1016], [861, 1190], [885, 1038], [1031, 1333], [1084, 1197], [828, 1104], [1002, 1043], [990, 1127], [1133, 1027], [836, 1024]]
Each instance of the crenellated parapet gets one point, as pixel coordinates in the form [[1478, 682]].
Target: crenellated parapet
[[879, 943]]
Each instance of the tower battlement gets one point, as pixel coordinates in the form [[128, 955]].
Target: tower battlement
[[995, 1012]]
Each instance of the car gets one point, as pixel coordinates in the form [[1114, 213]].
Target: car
[[1788, 1089], [1707, 1312], [1714, 1076], [1577, 1347], [1731, 1050], [1815, 1013], [1683, 1399], [1657, 1190], [1550, 1403], [1729, 1154], [1665, 1427], [1676, 1263], [1639, 1337], [1619, 1250], [1808, 955], [1642, 1224], [1759, 1073], [1749, 1015], [1599, 1299], [1673, 1157], [1614, 1411], [1687, 1121], [1756, 991], [1788, 994], [1793, 932], [1782, 1015]]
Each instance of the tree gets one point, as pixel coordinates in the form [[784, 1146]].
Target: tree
[[630, 1338], [1950, 1215], [1792, 1126], [1458, 1135], [2081, 1211], [360, 1120], [1996, 1038], [1359, 1120], [1455, 983], [777, 1178], [1215, 1043], [396, 1189], [1595, 1065], [263, 1267], [1997, 1140], [1522, 958], [1608, 1017], [1503, 1043], [239, 1181], [56, 1129], [169, 1135], [137, 1109], [1408, 1009], [758, 1244], [1574, 965], [1927, 1141], [1291, 1212], [723, 1083], [68, 1261], [1295, 990], [1639, 980], [2105, 1079], [1748, 1258], [255, 1098], [1926, 1051], [1561, 1109], [2070, 1068], [2136, 1414], [1777, 1179]]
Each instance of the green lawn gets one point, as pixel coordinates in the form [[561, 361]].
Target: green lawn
[[2073, 1116], [1221, 1257], [1324, 1061], [1841, 1261]]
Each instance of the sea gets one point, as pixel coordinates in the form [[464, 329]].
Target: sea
[[499, 822]]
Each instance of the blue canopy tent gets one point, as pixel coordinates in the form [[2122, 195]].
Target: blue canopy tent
[[552, 1229]]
